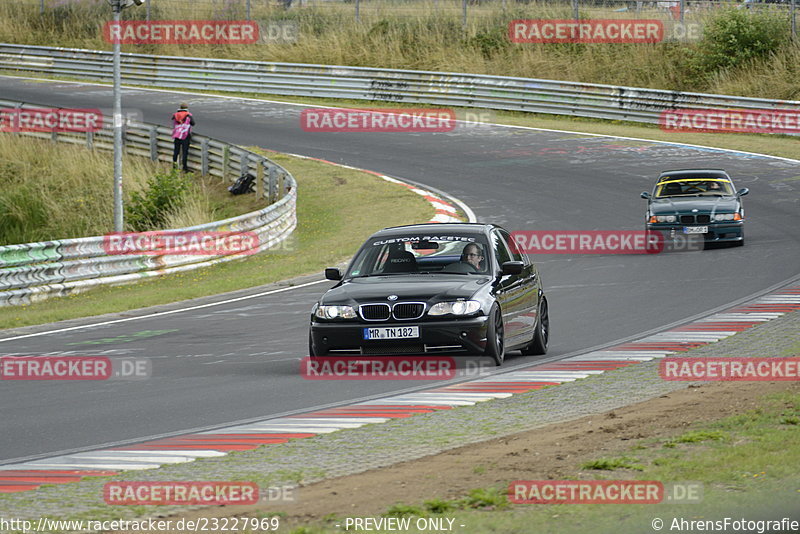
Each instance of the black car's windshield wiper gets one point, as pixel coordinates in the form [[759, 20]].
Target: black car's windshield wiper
[[377, 274]]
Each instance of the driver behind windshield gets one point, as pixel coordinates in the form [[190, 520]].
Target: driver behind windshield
[[471, 260]]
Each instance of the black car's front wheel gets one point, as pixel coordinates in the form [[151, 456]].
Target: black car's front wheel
[[495, 337], [542, 333], [312, 352]]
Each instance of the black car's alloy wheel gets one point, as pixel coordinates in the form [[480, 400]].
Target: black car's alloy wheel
[[495, 337], [542, 335]]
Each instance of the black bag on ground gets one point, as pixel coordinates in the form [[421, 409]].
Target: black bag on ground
[[243, 184]]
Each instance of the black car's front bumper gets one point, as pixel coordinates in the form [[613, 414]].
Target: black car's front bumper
[[467, 335], [728, 231]]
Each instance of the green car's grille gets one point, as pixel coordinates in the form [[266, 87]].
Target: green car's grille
[[691, 219]]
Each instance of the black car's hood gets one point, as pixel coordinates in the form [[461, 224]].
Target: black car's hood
[[684, 205], [417, 287]]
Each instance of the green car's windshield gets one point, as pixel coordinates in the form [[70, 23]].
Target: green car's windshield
[[421, 254], [694, 187]]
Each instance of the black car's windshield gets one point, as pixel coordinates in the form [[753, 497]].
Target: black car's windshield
[[694, 187], [422, 254]]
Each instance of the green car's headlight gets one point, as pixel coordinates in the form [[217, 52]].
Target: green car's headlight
[[665, 218], [723, 217], [335, 312], [459, 307]]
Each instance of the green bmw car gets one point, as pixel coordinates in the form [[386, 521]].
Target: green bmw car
[[697, 202]]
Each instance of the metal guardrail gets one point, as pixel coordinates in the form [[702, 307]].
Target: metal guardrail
[[373, 84], [34, 271]]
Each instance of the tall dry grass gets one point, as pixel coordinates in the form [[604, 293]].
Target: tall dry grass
[[420, 34], [57, 191]]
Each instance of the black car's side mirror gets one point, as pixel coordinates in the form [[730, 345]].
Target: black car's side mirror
[[645, 194], [742, 192], [512, 267], [333, 273]]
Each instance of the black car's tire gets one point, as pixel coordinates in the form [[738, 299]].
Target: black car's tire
[[312, 353], [495, 337], [542, 334]]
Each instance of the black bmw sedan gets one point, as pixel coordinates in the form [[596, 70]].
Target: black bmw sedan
[[458, 288]]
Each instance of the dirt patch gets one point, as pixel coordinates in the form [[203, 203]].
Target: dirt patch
[[550, 452]]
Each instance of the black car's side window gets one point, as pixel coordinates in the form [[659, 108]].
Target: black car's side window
[[516, 255], [501, 253]]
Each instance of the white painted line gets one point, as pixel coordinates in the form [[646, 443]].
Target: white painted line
[[444, 207], [133, 457], [461, 396], [161, 314], [620, 358], [194, 453], [273, 429], [99, 465], [404, 401], [743, 317], [337, 420]]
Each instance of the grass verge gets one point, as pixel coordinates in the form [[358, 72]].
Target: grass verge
[[747, 465], [54, 191], [337, 208]]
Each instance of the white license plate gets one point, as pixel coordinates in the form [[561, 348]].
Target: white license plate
[[695, 229], [391, 332]]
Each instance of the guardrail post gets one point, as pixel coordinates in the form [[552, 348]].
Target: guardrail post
[[244, 164], [154, 143], [90, 140], [54, 135], [794, 21], [260, 179], [204, 156], [464, 13], [281, 186], [226, 158], [273, 184]]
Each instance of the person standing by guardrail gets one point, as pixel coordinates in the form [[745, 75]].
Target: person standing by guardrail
[[182, 122]]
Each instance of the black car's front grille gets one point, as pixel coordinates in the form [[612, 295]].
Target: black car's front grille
[[687, 219], [413, 348], [375, 312], [408, 310], [704, 219]]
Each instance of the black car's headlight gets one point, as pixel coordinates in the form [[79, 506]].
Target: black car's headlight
[[335, 312], [725, 217], [458, 307]]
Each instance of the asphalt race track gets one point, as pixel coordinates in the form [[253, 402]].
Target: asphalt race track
[[239, 360]]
